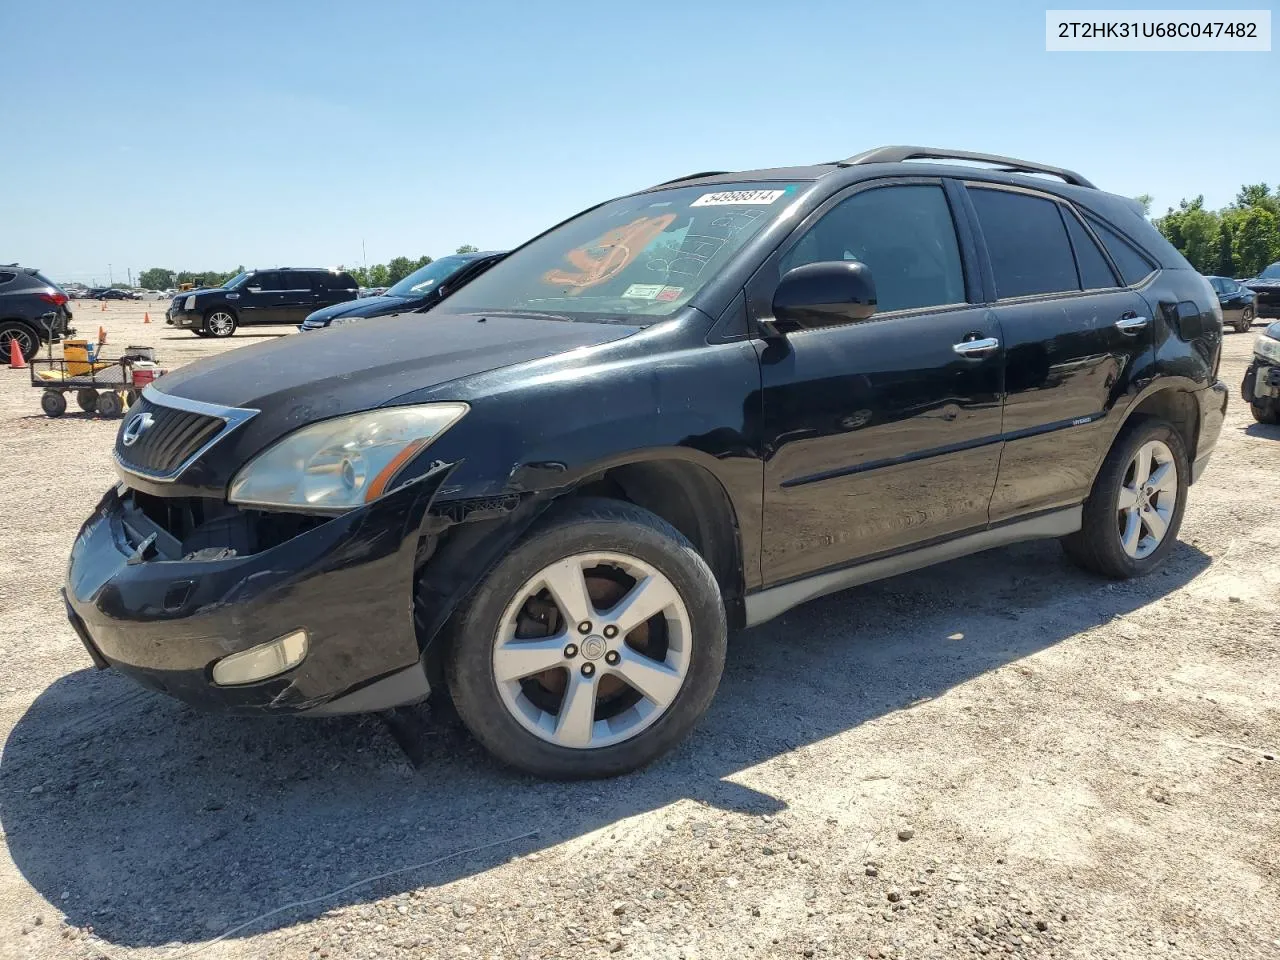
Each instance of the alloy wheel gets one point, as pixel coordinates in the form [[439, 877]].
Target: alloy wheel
[[26, 345], [1148, 498], [221, 324], [592, 650]]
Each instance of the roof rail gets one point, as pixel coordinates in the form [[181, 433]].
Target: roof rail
[[694, 176], [1007, 164]]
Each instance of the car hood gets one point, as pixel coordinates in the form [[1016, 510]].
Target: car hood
[[298, 379], [364, 307]]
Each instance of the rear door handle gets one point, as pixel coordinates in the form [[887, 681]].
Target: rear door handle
[[976, 348], [1131, 325]]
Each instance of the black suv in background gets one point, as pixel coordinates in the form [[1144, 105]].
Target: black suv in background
[[33, 311], [680, 412], [420, 290], [1266, 285], [278, 295]]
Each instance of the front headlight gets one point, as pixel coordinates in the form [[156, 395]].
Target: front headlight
[[190, 304], [1267, 348], [338, 321], [338, 464]]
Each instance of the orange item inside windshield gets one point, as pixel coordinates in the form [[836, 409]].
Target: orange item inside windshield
[[610, 253]]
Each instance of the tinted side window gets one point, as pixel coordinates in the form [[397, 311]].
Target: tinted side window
[[1095, 272], [904, 234], [267, 280], [7, 277], [343, 281], [1133, 265], [1026, 243], [298, 280]]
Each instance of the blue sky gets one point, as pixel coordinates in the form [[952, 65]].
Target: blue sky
[[202, 136]]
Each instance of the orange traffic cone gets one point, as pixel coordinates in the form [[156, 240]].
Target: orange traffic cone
[[102, 336], [15, 355], [146, 318]]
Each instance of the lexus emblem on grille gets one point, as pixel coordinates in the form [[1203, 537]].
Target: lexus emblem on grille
[[136, 428]]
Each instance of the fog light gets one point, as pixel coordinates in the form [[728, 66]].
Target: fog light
[[263, 661]]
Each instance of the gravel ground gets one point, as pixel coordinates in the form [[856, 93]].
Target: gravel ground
[[999, 756]]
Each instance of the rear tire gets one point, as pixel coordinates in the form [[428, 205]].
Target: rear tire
[[1130, 521], [87, 400], [620, 553], [28, 340], [1246, 320], [1268, 411]]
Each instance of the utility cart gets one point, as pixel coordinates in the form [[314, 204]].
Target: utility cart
[[103, 386]]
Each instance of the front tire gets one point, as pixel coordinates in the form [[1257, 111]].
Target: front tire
[[1131, 519], [1245, 321], [87, 400], [110, 405], [53, 403], [220, 322], [593, 647]]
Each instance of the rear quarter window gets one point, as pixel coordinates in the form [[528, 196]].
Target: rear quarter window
[[7, 277], [1134, 266], [1095, 272]]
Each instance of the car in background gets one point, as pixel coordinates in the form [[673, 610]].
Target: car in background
[[420, 290], [33, 311], [1237, 302], [108, 293], [279, 295], [1266, 286], [1261, 386]]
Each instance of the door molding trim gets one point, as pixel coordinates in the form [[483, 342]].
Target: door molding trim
[[767, 604]]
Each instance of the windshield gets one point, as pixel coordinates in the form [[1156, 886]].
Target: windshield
[[640, 256], [235, 281], [1271, 273], [425, 279]]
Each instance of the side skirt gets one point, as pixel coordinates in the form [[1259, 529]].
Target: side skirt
[[767, 604]]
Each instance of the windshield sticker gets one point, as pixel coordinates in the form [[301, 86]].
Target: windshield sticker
[[667, 294], [727, 198], [609, 254], [643, 291]]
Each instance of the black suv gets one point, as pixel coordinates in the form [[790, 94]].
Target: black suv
[[33, 311], [1266, 285], [278, 295], [680, 412]]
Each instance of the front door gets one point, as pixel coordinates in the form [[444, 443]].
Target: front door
[[1075, 341], [261, 298], [881, 434]]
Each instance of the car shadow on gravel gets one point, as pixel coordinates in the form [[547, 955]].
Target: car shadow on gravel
[[157, 824]]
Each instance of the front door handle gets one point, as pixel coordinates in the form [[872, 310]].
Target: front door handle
[[1131, 325], [976, 348]]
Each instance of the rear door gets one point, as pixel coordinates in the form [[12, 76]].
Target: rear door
[[302, 292], [261, 299], [881, 434], [1076, 340]]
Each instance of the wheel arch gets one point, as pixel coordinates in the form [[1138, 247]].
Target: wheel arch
[[221, 308], [692, 499], [1172, 400]]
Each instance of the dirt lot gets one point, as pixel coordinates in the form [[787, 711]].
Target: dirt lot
[[997, 756]]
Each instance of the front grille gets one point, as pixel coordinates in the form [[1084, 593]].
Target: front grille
[[173, 437]]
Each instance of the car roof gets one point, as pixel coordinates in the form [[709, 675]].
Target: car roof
[[900, 160]]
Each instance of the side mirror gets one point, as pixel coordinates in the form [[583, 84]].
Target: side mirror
[[824, 294]]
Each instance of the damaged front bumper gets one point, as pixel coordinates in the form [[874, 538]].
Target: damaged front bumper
[[164, 615]]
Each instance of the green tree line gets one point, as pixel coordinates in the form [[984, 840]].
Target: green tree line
[[378, 275], [1236, 241]]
